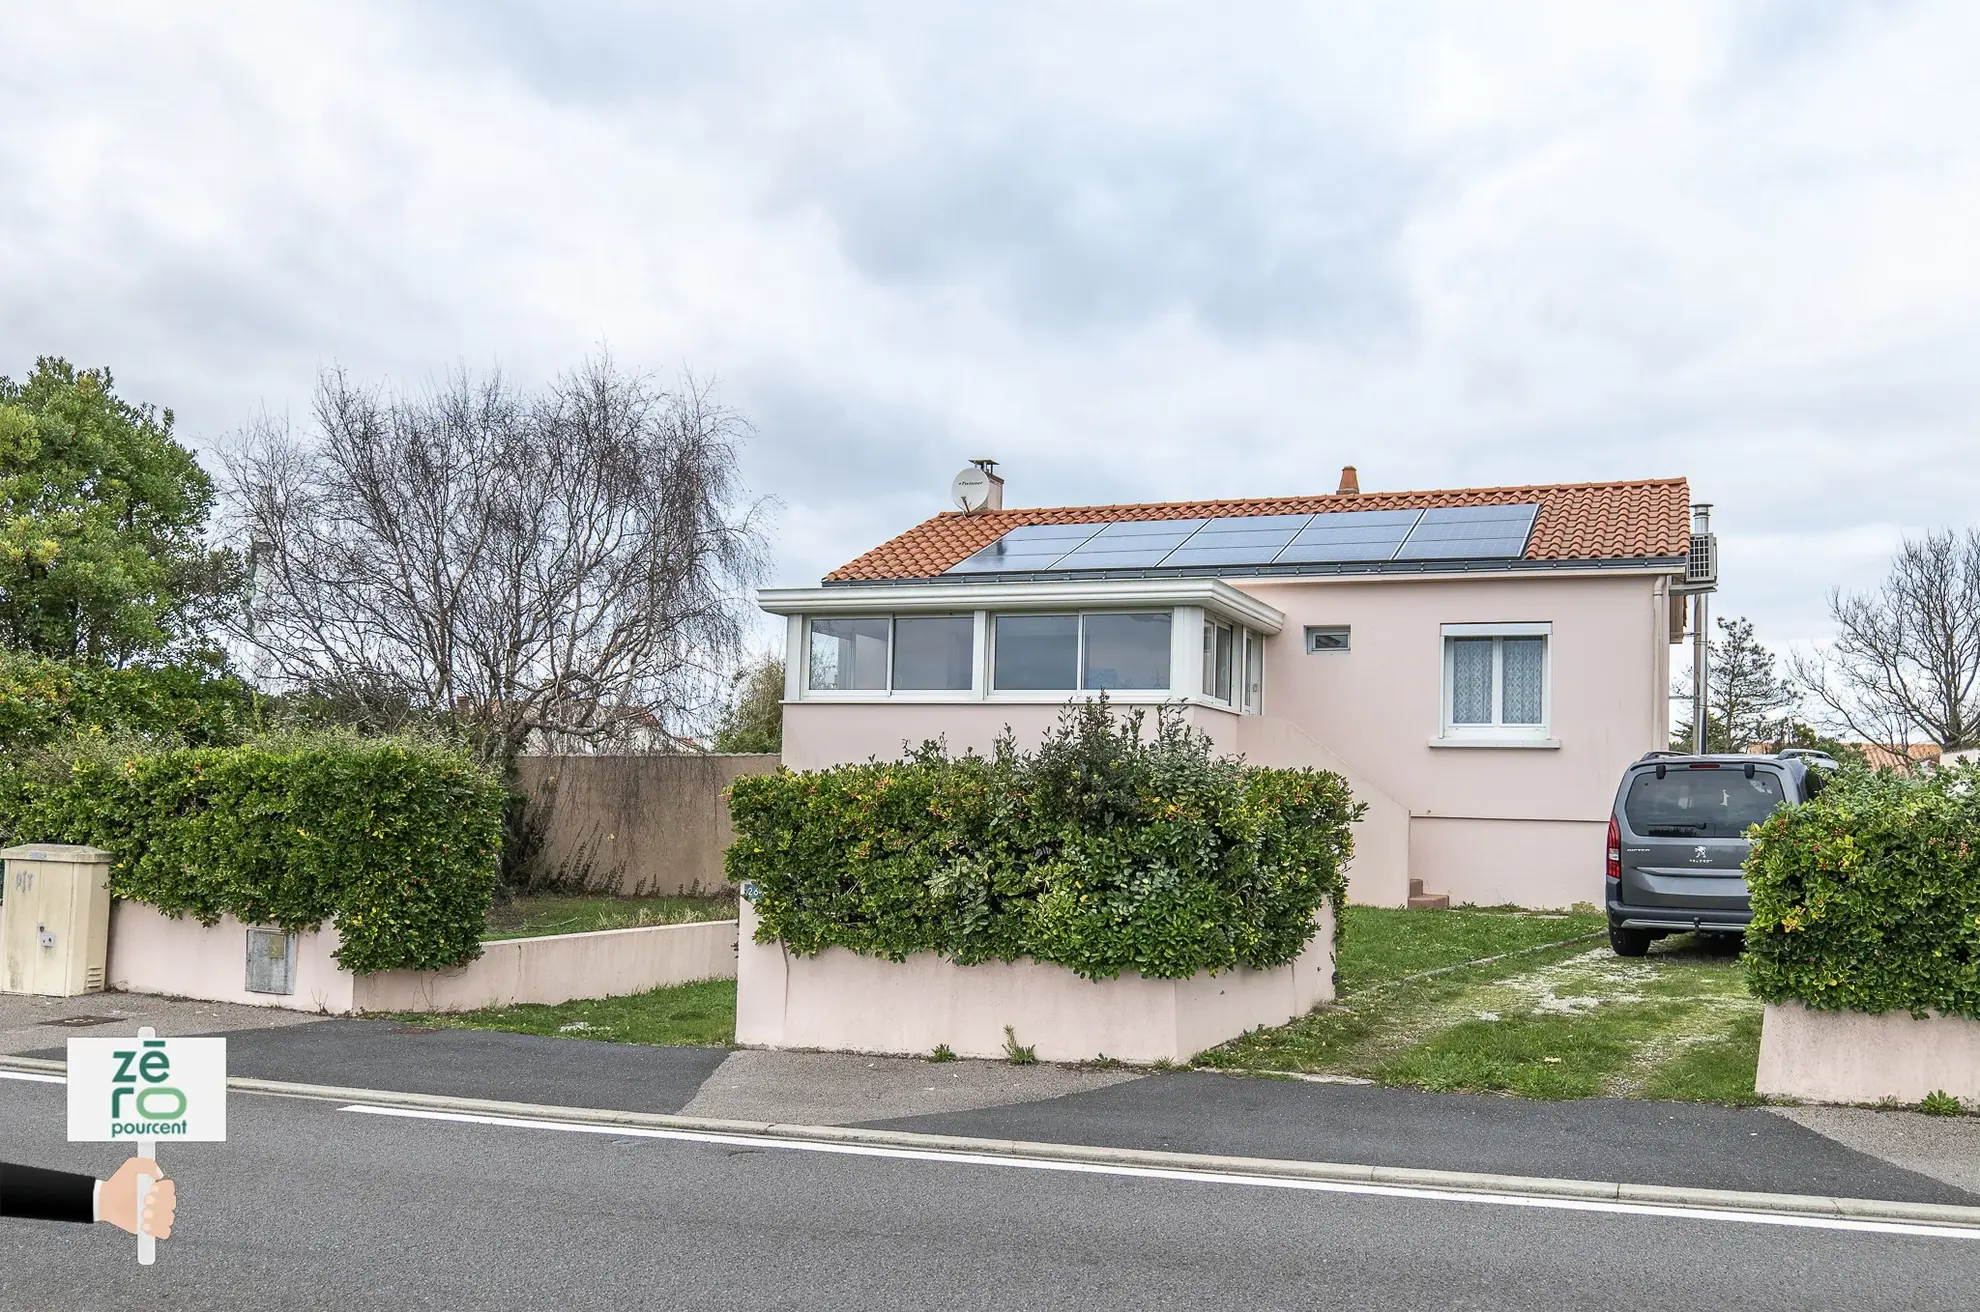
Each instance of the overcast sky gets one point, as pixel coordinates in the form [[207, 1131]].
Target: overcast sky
[[1134, 251]]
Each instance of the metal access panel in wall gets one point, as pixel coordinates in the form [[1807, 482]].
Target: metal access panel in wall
[[271, 961]]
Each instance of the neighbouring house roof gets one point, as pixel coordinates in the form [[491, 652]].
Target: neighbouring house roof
[[1647, 519], [1877, 756]]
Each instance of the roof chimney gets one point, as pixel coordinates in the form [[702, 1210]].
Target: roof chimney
[[1350, 485], [989, 468]]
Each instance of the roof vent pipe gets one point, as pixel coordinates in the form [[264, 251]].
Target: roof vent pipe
[[1350, 485]]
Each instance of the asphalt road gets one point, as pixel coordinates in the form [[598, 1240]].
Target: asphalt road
[[310, 1206], [1689, 1145]]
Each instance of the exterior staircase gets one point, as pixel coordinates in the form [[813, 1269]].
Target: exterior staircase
[[1422, 901]]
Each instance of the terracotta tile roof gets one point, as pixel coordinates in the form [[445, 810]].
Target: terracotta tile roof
[[1577, 521]]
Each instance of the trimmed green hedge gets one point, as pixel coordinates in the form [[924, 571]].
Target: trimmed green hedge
[[1868, 898], [48, 701], [394, 839], [1103, 851]]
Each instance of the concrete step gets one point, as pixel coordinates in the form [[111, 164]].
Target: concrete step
[[1422, 901]]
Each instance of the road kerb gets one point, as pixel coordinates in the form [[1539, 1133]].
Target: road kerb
[[1723, 1200]]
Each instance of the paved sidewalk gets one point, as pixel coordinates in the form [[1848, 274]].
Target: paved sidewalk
[[1944, 1147], [1681, 1144], [28, 1023], [836, 1088]]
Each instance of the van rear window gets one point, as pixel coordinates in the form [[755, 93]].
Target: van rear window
[[1700, 803]]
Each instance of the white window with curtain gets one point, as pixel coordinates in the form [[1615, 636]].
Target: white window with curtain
[[1497, 686]]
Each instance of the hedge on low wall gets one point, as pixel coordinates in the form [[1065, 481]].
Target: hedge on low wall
[[1868, 898], [1103, 851], [394, 839]]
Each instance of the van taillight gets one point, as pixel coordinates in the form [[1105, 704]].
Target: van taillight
[[1615, 849]]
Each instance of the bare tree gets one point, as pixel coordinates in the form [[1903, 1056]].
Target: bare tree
[[1746, 700], [571, 565], [1906, 658]]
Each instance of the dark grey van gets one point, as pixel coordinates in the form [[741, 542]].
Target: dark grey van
[[1677, 845]]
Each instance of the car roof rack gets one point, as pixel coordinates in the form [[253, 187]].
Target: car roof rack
[[1651, 756], [1805, 751]]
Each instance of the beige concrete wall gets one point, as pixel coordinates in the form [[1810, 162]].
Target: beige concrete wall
[[636, 824], [1849, 1056], [150, 952], [840, 1001], [557, 968]]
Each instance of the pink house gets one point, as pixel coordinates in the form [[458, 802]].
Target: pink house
[[1480, 663]]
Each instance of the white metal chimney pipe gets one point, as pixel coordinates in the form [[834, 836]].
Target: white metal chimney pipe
[[1701, 522]]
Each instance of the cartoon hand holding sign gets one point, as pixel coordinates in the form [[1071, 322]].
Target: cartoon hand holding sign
[[143, 1090]]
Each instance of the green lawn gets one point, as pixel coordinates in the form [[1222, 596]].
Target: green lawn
[[689, 1015], [526, 917], [1379, 945], [1568, 1021]]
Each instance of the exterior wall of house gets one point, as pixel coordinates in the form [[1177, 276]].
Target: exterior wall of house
[[822, 734], [1486, 824]]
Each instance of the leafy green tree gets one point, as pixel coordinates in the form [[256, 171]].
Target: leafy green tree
[[753, 718], [1746, 700], [101, 519]]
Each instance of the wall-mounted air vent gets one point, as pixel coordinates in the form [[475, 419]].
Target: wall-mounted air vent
[[1701, 567]]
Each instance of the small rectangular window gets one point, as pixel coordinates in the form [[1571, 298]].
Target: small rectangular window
[[1218, 643], [934, 653], [1254, 672], [1036, 653], [1326, 637], [848, 655], [1126, 651]]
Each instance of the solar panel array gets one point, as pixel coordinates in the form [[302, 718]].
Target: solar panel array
[[1331, 537]]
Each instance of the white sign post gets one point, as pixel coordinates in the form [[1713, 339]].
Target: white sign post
[[145, 1089]]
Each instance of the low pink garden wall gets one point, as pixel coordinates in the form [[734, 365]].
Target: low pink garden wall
[[151, 952], [841, 1001], [556, 968], [1849, 1056]]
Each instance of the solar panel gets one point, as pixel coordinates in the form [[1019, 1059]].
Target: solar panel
[[1470, 533], [1193, 555], [1052, 532], [1128, 528], [1349, 535], [1027, 547], [1144, 559], [1331, 537], [1143, 537], [1255, 523], [1237, 540]]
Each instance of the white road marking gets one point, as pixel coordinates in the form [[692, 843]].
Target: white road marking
[[33, 1077], [1917, 1229]]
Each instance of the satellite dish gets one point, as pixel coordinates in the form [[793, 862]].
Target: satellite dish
[[971, 489]]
